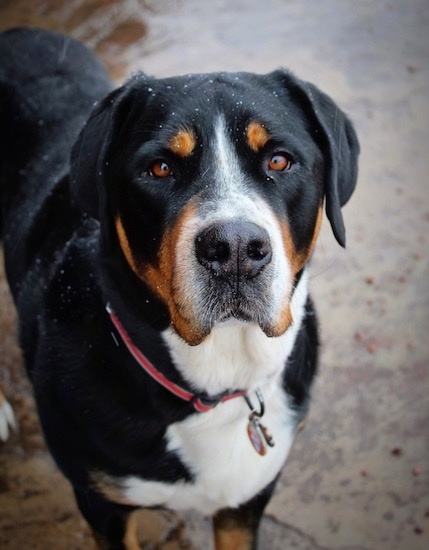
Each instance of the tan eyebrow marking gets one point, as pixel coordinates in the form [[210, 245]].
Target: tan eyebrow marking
[[257, 136], [183, 143]]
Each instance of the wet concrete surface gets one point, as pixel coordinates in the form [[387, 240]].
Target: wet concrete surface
[[358, 476]]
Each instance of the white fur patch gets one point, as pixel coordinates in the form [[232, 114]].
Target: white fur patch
[[216, 448]]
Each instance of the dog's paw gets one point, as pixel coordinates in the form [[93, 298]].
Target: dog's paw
[[7, 419]]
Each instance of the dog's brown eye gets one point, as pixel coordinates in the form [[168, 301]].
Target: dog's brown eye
[[160, 169], [279, 163]]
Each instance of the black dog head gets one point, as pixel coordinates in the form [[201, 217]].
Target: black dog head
[[212, 187]]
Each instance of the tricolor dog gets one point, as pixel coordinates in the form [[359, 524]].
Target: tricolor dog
[[156, 239]]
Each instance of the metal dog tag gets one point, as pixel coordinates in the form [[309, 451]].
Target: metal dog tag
[[258, 434], [254, 433]]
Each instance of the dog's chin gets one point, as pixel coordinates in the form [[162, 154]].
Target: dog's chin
[[195, 333]]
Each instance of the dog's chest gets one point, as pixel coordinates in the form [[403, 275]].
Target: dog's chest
[[215, 446], [216, 449]]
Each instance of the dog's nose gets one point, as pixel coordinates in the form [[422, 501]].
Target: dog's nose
[[234, 249]]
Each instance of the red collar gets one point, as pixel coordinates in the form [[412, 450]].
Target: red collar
[[202, 401]]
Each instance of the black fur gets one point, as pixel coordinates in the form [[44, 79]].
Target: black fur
[[99, 412]]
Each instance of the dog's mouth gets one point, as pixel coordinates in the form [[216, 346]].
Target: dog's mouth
[[253, 304], [239, 308]]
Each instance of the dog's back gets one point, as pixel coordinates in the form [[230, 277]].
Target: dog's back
[[47, 88]]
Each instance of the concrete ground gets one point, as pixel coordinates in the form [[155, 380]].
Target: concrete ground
[[358, 476]]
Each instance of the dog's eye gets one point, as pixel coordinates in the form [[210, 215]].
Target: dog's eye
[[160, 169], [279, 163]]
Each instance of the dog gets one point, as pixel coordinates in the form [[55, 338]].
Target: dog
[[156, 240]]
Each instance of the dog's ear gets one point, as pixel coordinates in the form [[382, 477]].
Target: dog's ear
[[338, 141], [89, 151]]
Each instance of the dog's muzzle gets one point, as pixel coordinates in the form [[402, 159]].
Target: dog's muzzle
[[229, 270]]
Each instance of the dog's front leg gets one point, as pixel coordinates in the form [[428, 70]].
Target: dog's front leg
[[113, 525], [237, 528]]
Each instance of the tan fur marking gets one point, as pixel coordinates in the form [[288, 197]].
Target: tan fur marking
[[233, 539], [160, 278], [297, 258], [231, 533], [317, 227], [285, 321], [131, 542], [257, 136], [183, 143], [110, 489], [125, 245]]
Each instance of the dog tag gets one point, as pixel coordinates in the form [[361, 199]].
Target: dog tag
[[258, 434], [254, 433]]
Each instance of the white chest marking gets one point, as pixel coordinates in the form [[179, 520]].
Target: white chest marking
[[216, 448]]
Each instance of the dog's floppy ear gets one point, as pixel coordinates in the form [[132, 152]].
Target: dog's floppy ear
[[338, 141], [89, 152]]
